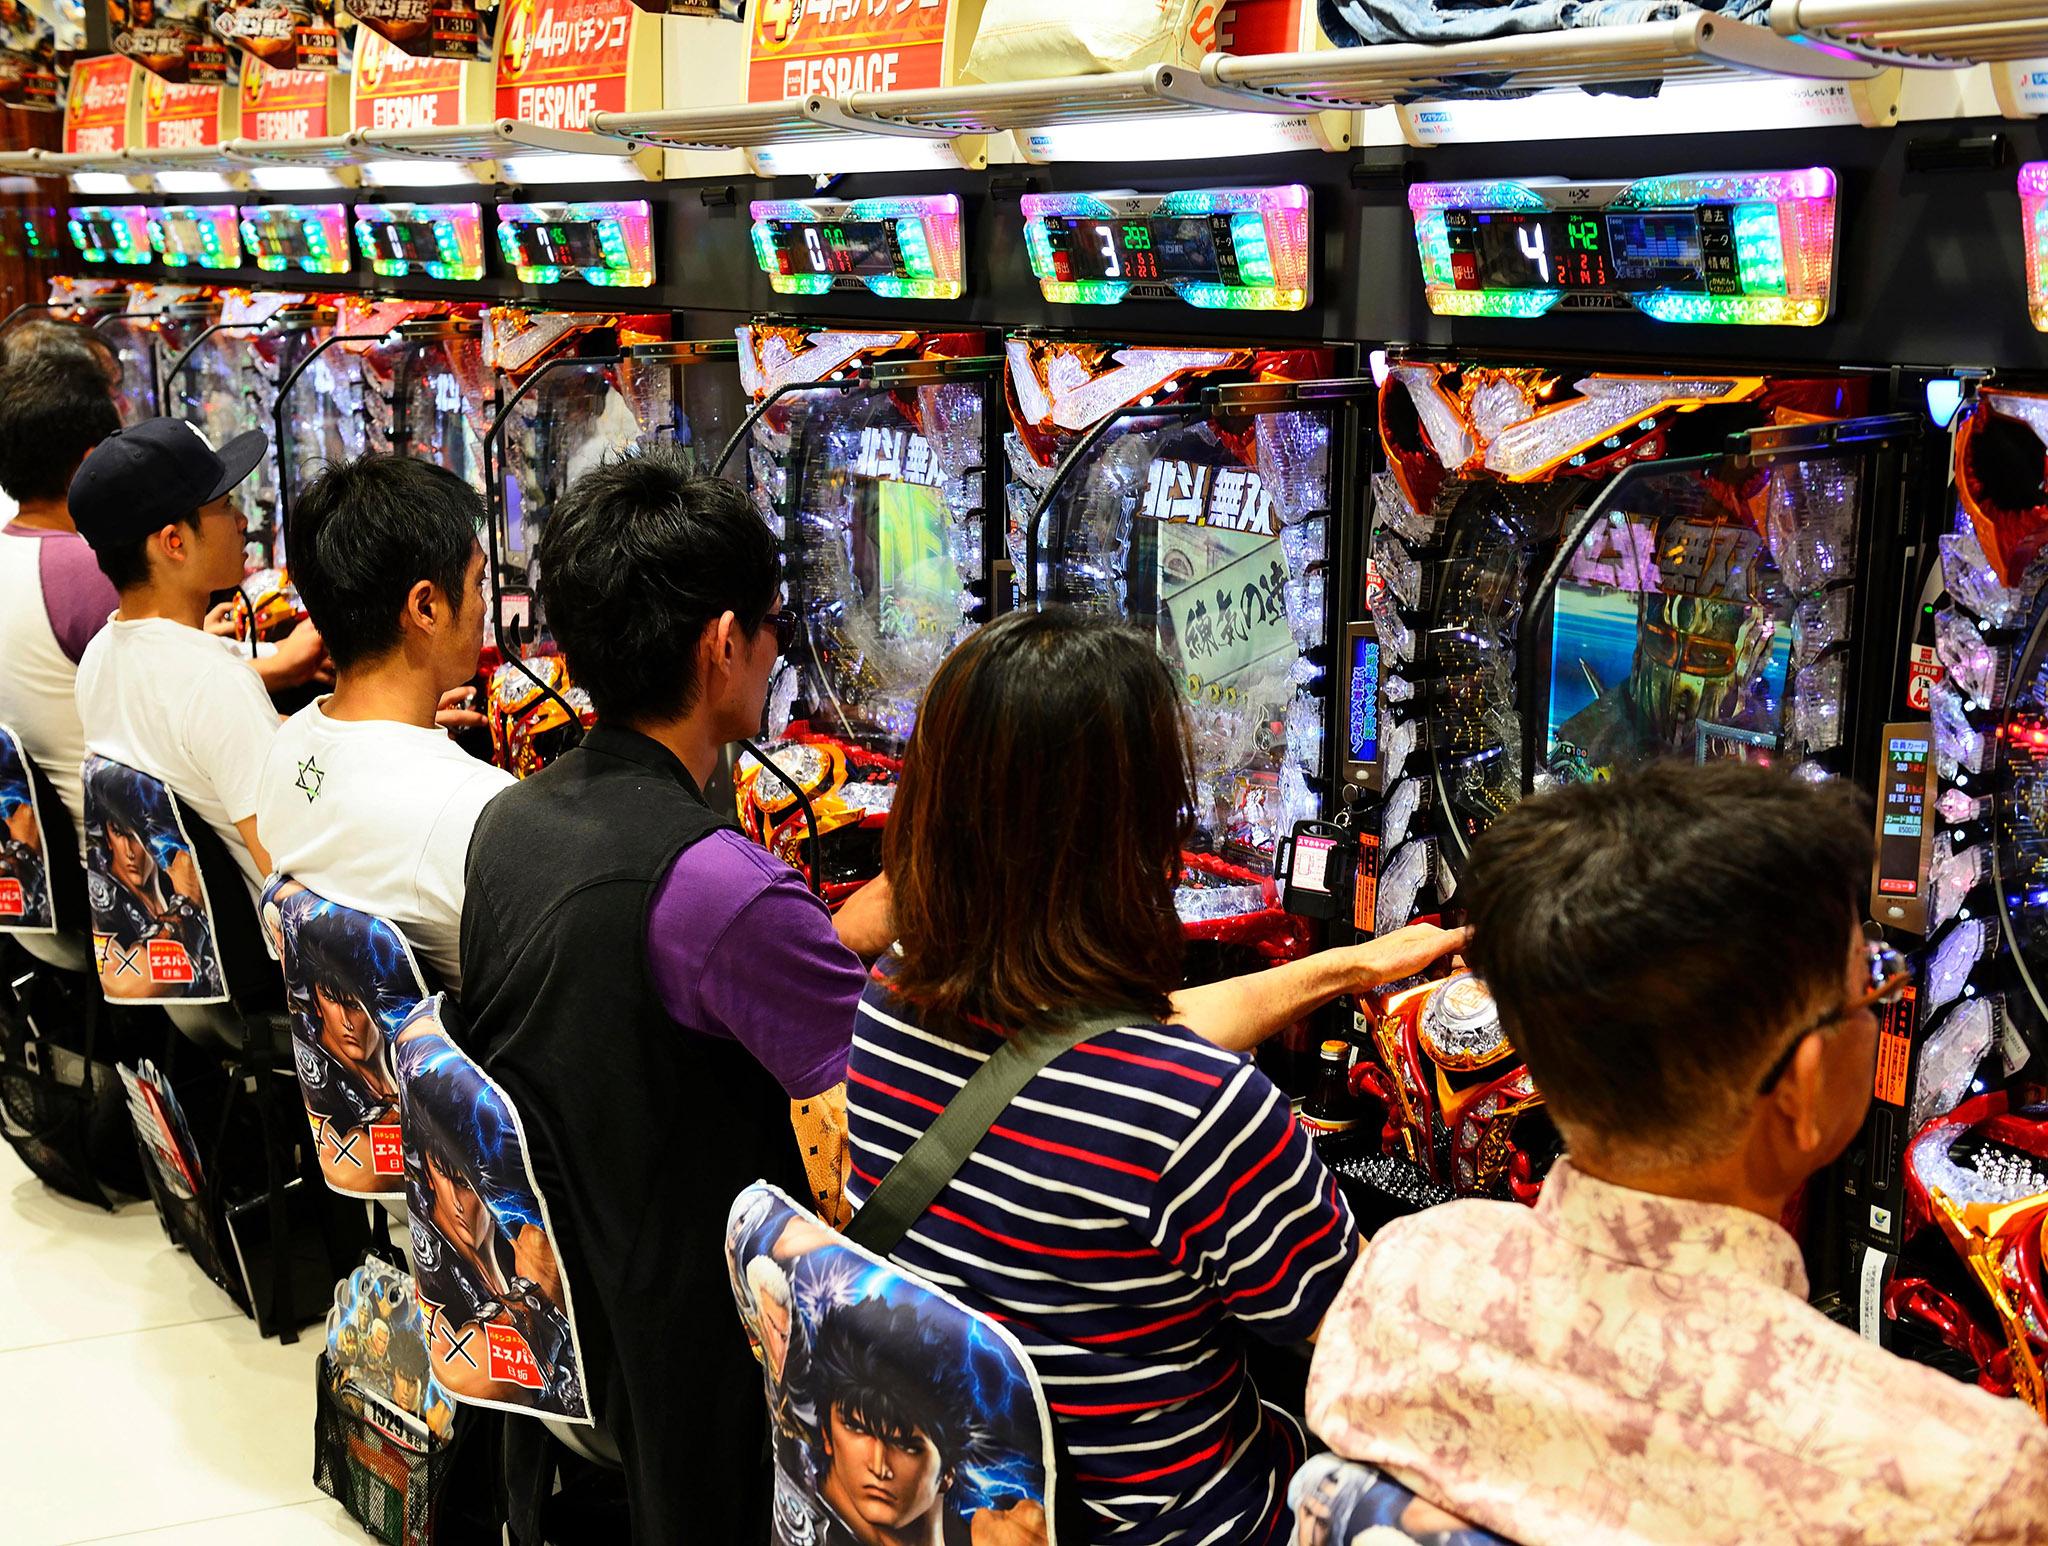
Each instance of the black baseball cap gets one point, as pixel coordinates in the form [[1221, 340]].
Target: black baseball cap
[[142, 478]]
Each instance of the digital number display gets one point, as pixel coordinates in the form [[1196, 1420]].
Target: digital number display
[[405, 241], [1150, 250], [1363, 691], [281, 234], [183, 235], [856, 247], [558, 244], [97, 235], [1563, 250], [1904, 817]]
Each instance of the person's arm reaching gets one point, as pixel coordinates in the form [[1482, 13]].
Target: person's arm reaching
[[300, 657], [819, 1123], [863, 923], [1240, 1012], [247, 827], [739, 948]]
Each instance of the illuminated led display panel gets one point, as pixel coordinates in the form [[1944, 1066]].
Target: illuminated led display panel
[[600, 244], [29, 233], [1751, 248], [311, 238], [110, 233], [441, 241], [196, 235], [906, 249], [1223, 249], [2034, 219]]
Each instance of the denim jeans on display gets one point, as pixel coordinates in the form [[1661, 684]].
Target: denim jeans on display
[[1351, 23]]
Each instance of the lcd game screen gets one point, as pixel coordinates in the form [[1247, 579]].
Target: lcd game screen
[[914, 569], [1667, 639]]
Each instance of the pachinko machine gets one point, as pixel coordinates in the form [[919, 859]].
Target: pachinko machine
[[574, 388], [1199, 491], [1573, 573], [870, 454]]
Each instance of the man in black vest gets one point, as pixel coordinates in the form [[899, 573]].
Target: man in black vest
[[663, 1001]]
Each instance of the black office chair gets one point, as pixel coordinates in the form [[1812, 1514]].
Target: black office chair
[[61, 1103], [173, 926]]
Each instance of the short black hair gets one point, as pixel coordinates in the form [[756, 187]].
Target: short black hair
[[895, 1370], [1651, 941], [363, 533], [126, 563], [55, 406], [635, 561]]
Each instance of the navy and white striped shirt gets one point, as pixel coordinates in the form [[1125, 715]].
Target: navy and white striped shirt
[[1143, 1192]]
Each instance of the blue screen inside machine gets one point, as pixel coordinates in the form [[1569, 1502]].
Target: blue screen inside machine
[[1363, 737]]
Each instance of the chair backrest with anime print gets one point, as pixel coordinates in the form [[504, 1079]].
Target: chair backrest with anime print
[[154, 933], [501, 1321], [350, 982], [1337, 1501], [32, 872], [853, 1349]]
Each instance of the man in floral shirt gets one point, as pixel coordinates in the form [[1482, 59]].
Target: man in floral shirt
[[1679, 956]]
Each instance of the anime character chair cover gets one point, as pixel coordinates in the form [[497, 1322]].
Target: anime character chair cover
[[350, 982], [896, 1413], [25, 903], [152, 924], [500, 1318]]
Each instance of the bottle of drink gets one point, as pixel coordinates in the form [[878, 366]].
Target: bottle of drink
[[1330, 1108]]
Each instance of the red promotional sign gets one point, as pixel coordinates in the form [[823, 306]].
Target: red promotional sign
[[13, 899], [386, 1157], [796, 47], [284, 104], [175, 117], [168, 961], [394, 90], [559, 61], [511, 1360], [96, 112]]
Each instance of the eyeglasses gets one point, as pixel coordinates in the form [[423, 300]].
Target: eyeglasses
[[1889, 975], [1693, 654], [785, 624]]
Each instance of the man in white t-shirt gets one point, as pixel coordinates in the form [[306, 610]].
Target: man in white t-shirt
[[55, 406], [363, 799], [155, 690]]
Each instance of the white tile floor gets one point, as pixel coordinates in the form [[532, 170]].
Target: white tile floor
[[136, 1403]]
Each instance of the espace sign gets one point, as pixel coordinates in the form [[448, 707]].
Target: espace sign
[[96, 112], [559, 61]]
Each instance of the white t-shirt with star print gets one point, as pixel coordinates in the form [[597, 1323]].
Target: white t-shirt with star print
[[377, 815]]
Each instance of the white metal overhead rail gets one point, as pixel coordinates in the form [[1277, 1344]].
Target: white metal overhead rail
[[493, 141], [1698, 47], [1929, 34]]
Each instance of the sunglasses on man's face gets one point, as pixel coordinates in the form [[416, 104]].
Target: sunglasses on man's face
[[1889, 975], [784, 624]]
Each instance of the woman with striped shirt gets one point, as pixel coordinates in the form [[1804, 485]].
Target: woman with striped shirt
[[1148, 1200]]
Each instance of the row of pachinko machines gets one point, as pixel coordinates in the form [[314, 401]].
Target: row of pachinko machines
[[1402, 591]]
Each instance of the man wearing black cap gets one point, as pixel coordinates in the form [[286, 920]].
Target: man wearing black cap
[[155, 691]]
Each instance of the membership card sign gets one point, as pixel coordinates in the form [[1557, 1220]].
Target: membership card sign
[[836, 47]]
